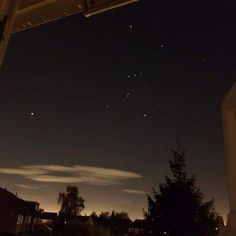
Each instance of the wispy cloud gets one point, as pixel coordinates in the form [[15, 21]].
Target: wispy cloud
[[71, 174], [26, 186], [20, 171], [134, 191]]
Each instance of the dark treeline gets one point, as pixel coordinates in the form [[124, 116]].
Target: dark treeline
[[176, 208]]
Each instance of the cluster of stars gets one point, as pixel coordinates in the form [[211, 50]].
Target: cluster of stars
[[32, 115], [148, 111], [156, 108], [135, 75]]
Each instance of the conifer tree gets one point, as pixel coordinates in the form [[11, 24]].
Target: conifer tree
[[178, 207]]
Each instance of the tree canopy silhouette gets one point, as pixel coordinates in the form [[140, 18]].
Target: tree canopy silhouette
[[117, 222], [71, 203], [178, 207]]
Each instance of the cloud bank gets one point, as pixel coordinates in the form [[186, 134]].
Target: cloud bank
[[134, 191], [91, 175], [26, 186]]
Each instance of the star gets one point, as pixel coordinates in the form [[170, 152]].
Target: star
[[156, 107], [145, 115], [32, 113], [127, 94], [131, 26], [108, 107]]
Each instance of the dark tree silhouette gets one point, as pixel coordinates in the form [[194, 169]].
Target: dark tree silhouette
[[116, 222], [178, 208], [71, 203]]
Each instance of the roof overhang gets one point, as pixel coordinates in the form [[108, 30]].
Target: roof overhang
[[32, 13], [18, 15]]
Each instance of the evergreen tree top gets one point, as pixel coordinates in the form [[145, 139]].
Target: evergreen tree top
[[177, 208]]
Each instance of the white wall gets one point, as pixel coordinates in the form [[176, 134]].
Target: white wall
[[229, 122]]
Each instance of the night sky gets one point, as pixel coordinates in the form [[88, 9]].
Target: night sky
[[98, 102]]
